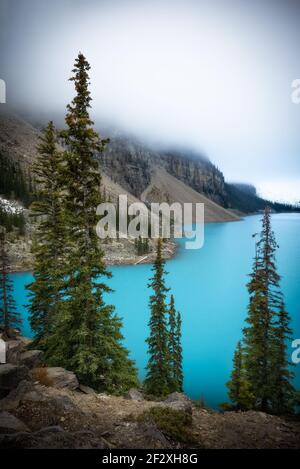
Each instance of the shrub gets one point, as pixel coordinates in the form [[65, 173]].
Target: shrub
[[175, 424]]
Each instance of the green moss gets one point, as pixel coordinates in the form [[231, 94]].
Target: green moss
[[175, 424]]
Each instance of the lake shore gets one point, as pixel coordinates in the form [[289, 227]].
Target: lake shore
[[121, 252]]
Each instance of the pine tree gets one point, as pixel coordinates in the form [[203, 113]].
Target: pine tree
[[9, 317], [175, 349], [172, 344], [284, 395], [178, 372], [46, 290], [267, 329], [239, 387], [87, 335], [158, 368], [141, 245]]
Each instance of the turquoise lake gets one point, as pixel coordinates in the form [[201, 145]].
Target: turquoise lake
[[209, 288]]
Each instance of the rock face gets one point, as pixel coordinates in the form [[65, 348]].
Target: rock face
[[18, 149], [130, 163], [19, 362], [197, 172], [56, 377], [14, 349], [18, 140], [11, 375], [31, 358], [13, 398]]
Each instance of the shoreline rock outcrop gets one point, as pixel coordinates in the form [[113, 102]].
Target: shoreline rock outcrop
[[44, 407]]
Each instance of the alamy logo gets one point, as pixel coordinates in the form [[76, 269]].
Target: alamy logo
[[296, 353], [2, 92], [2, 351], [158, 220]]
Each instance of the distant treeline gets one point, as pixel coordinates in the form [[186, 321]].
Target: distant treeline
[[11, 221], [242, 199], [14, 184]]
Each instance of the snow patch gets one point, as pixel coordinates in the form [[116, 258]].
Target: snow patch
[[11, 206]]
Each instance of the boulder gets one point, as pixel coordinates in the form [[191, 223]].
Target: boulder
[[181, 405], [12, 400], [34, 395], [11, 375], [14, 348], [31, 358], [134, 395], [86, 389], [10, 424], [177, 397], [56, 377], [139, 435], [179, 401]]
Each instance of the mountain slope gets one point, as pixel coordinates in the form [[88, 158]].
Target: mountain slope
[[113, 190], [131, 163], [165, 187], [18, 140], [18, 148], [131, 167]]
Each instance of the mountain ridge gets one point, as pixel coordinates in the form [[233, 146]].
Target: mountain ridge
[[131, 165]]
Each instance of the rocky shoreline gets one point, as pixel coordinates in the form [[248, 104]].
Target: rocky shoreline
[[121, 252], [43, 407]]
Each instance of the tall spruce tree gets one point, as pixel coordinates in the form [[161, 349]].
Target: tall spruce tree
[[178, 371], [87, 335], [175, 349], [46, 290], [9, 317], [284, 395], [239, 387], [158, 378], [265, 357]]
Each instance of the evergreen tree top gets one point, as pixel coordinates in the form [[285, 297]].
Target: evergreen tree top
[[159, 267], [80, 135]]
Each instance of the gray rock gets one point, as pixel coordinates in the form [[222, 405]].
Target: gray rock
[[177, 397], [14, 349], [10, 424], [134, 395], [31, 358], [11, 375], [179, 401], [139, 435], [62, 404], [12, 400], [33, 395], [86, 389], [184, 406], [56, 377]]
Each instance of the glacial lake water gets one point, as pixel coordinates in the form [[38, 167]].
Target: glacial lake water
[[209, 288]]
